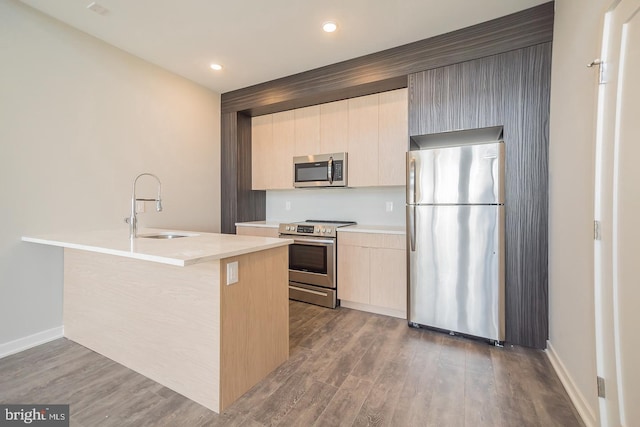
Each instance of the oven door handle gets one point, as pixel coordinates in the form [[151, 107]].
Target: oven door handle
[[309, 291], [318, 242]]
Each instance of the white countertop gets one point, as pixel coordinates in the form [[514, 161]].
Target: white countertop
[[381, 229], [263, 224], [198, 247]]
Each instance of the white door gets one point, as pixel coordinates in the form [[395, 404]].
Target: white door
[[617, 204]]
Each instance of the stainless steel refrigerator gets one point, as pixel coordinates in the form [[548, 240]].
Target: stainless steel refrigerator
[[455, 238]]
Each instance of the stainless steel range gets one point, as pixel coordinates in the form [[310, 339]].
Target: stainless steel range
[[312, 260]]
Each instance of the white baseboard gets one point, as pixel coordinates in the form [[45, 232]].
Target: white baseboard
[[587, 413], [16, 346]]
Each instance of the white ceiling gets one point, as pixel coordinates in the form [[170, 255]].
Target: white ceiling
[[261, 40]]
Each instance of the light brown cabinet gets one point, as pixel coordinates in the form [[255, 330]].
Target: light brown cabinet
[[247, 230], [280, 162], [261, 145], [307, 130], [334, 127], [272, 145], [372, 129], [393, 137], [363, 141], [372, 272]]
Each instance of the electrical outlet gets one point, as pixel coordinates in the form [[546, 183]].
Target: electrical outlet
[[287, 205], [389, 206], [232, 273], [139, 206]]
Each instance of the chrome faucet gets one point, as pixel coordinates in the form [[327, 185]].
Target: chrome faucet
[[133, 219]]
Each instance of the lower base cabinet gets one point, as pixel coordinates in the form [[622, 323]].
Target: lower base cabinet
[[372, 273], [245, 230]]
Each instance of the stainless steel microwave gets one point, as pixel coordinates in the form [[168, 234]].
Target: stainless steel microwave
[[321, 170]]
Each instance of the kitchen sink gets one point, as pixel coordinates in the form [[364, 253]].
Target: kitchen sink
[[165, 235]]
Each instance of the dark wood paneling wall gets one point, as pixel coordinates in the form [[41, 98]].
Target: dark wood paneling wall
[[238, 201], [509, 90], [496, 72], [386, 70]]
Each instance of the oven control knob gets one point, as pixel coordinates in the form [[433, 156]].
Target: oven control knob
[[289, 228]]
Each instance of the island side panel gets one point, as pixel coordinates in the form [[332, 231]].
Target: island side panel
[[255, 321], [159, 320]]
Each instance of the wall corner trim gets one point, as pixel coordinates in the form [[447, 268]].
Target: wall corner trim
[[587, 413], [24, 343]]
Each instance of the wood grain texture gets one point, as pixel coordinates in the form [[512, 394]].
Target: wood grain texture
[[238, 202], [257, 231], [159, 320], [384, 373], [334, 127], [372, 273], [261, 151], [354, 269], [393, 136], [389, 279], [359, 76], [307, 131], [378, 72], [509, 90], [229, 191], [363, 141], [280, 159], [254, 321]]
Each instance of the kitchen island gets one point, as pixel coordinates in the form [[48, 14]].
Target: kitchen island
[[206, 315]]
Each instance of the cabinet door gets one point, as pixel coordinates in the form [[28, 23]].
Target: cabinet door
[[389, 278], [363, 141], [334, 127], [393, 138], [281, 170], [353, 273], [307, 133], [261, 142]]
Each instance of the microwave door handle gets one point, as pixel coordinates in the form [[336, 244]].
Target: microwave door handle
[[330, 170]]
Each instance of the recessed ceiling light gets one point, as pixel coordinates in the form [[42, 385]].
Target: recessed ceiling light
[[216, 67], [329, 27], [98, 8]]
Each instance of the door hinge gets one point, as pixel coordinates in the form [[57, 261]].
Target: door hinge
[[600, 387], [596, 230], [601, 66]]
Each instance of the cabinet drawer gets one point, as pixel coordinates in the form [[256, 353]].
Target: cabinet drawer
[[256, 231], [373, 240]]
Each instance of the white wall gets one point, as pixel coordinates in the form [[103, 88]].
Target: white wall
[[577, 33], [79, 119], [367, 206]]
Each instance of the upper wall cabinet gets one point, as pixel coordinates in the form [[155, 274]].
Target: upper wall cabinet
[[334, 127], [373, 129], [378, 139], [261, 145], [363, 141], [307, 130], [393, 139], [272, 145]]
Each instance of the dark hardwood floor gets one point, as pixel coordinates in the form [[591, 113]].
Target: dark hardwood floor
[[346, 368]]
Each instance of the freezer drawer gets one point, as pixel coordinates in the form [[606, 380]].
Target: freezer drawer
[[469, 174], [456, 268]]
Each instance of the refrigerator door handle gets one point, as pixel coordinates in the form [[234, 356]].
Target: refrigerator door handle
[[412, 227], [412, 180]]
